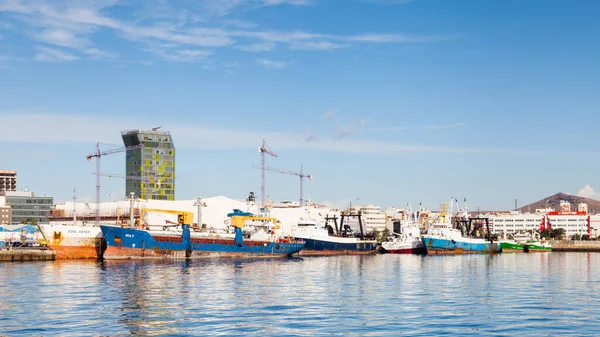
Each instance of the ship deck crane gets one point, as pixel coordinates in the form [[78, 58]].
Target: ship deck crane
[[264, 149], [98, 155], [300, 174]]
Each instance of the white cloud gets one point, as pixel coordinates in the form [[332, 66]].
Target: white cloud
[[44, 127], [61, 37], [74, 24], [329, 114], [588, 192], [273, 64], [257, 47], [97, 53], [315, 45], [46, 54]]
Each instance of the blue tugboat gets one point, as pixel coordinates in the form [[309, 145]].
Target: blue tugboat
[[132, 243]]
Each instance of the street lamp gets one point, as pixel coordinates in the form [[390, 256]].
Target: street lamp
[[199, 203]]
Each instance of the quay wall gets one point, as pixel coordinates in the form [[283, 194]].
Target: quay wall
[[575, 246], [27, 255]]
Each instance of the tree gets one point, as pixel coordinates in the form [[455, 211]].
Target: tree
[[558, 233], [384, 235], [34, 222]]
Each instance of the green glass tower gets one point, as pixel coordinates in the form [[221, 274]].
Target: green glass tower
[[153, 165]]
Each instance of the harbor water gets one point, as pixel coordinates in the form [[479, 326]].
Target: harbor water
[[541, 294]]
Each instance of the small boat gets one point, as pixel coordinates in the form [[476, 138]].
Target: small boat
[[132, 243], [408, 241], [537, 246], [404, 243]]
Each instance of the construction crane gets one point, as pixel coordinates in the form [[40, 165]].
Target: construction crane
[[264, 149], [99, 155], [117, 175], [300, 174], [130, 177]]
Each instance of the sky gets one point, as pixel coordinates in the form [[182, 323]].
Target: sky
[[383, 101]]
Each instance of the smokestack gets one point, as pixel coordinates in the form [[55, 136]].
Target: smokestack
[[516, 208]]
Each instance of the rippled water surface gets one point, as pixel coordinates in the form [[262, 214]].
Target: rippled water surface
[[541, 294]]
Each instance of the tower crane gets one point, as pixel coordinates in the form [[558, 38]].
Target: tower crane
[[300, 174], [264, 149], [98, 154]]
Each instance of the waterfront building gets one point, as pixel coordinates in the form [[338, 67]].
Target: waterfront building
[[573, 222], [8, 180], [373, 219], [27, 207], [5, 212], [153, 165]]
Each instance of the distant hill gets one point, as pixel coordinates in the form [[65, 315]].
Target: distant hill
[[554, 202]]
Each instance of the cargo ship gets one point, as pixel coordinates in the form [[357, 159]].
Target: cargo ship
[[74, 241], [132, 243]]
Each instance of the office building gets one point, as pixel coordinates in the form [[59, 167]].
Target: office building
[[152, 165], [8, 180], [26, 207]]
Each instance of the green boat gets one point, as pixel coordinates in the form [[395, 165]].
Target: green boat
[[509, 246], [537, 246]]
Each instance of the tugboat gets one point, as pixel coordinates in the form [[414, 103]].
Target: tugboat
[[408, 238], [133, 243]]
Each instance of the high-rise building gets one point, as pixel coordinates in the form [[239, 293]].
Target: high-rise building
[[153, 164], [8, 180]]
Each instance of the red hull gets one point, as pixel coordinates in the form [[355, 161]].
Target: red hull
[[123, 253], [75, 252]]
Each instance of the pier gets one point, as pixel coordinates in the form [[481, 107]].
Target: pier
[[575, 246], [27, 254]]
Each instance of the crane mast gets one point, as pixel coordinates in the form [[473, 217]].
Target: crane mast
[[98, 155], [264, 149]]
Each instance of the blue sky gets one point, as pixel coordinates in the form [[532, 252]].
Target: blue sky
[[383, 101]]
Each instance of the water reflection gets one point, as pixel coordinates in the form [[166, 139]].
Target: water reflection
[[552, 294]]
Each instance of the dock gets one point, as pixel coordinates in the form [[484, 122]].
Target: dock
[[27, 254], [575, 246]]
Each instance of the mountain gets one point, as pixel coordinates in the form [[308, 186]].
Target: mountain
[[554, 202]]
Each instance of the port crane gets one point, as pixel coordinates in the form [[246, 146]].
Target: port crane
[[263, 149], [98, 155], [300, 174]]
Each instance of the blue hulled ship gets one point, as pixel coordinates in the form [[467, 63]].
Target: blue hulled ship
[[129, 243]]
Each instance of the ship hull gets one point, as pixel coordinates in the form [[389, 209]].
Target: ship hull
[[74, 242], [126, 243], [533, 248], [404, 247], [323, 247], [510, 247], [442, 246]]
